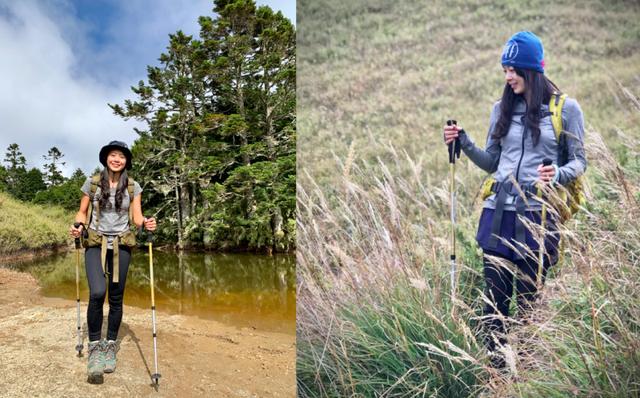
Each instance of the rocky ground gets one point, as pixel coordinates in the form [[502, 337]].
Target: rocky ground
[[196, 357]]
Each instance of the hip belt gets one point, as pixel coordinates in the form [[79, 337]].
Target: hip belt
[[503, 191], [116, 257], [93, 238]]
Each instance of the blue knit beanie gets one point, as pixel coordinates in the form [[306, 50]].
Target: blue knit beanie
[[524, 50]]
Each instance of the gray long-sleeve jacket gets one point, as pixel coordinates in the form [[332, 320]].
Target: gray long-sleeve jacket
[[515, 154]]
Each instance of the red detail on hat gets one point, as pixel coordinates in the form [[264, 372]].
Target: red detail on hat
[[542, 63]]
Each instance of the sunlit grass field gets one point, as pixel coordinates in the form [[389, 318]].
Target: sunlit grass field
[[24, 226]]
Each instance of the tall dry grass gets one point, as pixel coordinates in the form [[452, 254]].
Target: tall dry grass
[[375, 316], [376, 81]]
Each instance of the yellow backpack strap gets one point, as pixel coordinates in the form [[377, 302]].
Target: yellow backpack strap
[[555, 107], [485, 190]]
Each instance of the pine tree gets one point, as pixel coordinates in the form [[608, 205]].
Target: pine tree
[[16, 165], [29, 184], [4, 177], [220, 136], [53, 175], [78, 175]]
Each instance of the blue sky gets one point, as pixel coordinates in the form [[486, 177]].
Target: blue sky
[[64, 60]]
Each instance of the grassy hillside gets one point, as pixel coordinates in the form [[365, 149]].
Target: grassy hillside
[[25, 226], [377, 72], [377, 80]]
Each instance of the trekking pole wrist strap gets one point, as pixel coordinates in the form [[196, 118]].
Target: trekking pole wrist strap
[[556, 175]]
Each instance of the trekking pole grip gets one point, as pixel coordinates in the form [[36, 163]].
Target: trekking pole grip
[[77, 240], [450, 146], [547, 162], [149, 234], [454, 146]]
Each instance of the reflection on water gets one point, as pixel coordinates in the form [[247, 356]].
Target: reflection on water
[[240, 289]]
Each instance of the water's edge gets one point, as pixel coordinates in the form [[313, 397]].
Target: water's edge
[[246, 290]]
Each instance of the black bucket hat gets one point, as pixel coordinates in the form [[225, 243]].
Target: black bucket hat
[[116, 145]]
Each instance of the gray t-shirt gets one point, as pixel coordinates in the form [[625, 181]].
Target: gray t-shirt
[[112, 222]]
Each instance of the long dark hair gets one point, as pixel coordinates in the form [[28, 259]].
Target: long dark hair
[[105, 189], [538, 91]]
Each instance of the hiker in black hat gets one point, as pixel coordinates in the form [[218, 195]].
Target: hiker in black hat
[[535, 138], [116, 205]]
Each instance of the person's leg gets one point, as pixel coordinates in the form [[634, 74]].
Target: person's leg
[[97, 291], [526, 281], [116, 292], [499, 288]]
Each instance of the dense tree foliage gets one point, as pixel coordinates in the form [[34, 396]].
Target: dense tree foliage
[[29, 185], [53, 175], [23, 184], [217, 156], [66, 194]]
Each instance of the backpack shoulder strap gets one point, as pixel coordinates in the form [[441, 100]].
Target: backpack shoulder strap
[[95, 182], [130, 186], [555, 107]]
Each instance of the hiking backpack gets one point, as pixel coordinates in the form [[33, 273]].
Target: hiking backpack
[[573, 193], [95, 182]]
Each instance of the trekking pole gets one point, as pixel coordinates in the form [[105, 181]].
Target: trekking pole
[[454, 151], [156, 376], [78, 246], [543, 219]]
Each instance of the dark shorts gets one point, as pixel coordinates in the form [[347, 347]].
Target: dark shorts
[[508, 231]]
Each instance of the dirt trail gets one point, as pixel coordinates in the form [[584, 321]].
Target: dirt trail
[[196, 357]]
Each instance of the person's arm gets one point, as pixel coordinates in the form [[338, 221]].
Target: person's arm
[[136, 209], [574, 131], [487, 159], [81, 215]]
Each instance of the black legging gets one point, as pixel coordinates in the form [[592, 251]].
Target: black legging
[[499, 289], [97, 291]]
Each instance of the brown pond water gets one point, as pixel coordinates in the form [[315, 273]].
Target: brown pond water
[[244, 290]]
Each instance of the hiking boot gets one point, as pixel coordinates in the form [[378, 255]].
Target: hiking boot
[[497, 361], [95, 366], [110, 349]]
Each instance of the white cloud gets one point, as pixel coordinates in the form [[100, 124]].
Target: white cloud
[[42, 103], [56, 81]]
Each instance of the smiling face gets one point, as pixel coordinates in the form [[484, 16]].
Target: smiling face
[[515, 81], [116, 161]]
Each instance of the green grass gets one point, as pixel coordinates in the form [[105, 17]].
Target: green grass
[[378, 72], [375, 317], [24, 226], [376, 82]]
